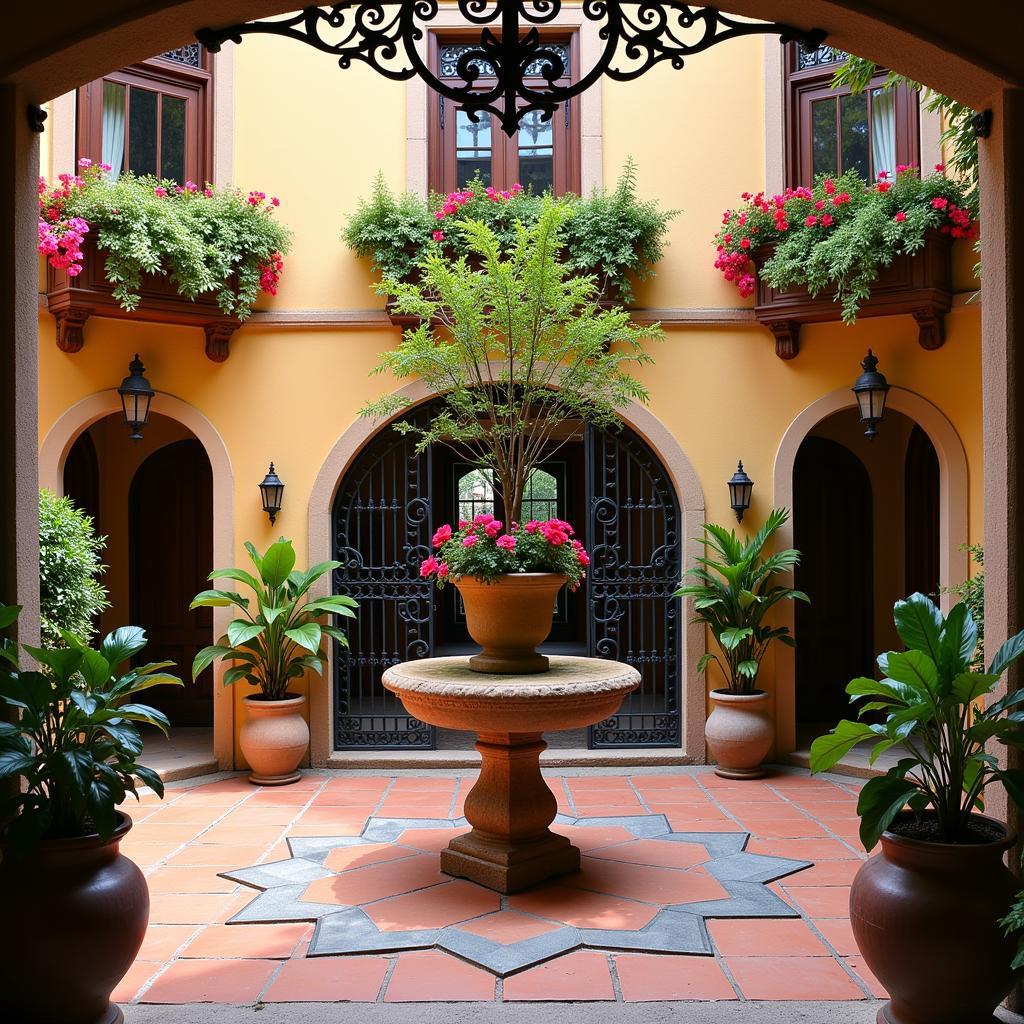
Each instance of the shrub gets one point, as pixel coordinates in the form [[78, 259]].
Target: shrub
[[70, 593], [613, 234], [206, 240], [972, 593], [840, 232]]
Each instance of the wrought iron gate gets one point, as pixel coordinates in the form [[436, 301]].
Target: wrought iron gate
[[382, 529], [383, 521], [633, 533]]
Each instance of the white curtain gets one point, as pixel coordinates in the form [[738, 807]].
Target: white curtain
[[883, 130], [113, 126]]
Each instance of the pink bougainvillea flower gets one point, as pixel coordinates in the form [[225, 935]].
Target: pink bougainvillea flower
[[438, 236], [160, 191], [85, 162], [506, 542], [469, 541], [441, 535], [941, 168]]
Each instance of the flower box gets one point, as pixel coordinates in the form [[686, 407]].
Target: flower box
[[920, 284], [73, 300]]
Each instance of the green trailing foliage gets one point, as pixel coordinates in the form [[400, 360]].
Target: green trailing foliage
[[932, 705], [613, 234], [972, 593], [733, 590], [70, 566], [516, 349], [74, 739], [278, 636]]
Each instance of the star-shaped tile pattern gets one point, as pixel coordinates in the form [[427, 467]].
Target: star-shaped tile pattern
[[641, 888]]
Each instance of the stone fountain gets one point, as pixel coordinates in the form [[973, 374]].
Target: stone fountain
[[511, 846]]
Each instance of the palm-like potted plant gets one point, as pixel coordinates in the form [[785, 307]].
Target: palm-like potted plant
[[523, 356], [924, 911], [733, 594], [275, 641], [74, 907]]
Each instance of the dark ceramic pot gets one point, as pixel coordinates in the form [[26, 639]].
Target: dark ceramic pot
[[925, 916], [75, 913]]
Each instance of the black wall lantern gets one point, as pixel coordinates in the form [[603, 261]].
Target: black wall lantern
[[272, 491], [740, 486], [871, 389], [136, 394]]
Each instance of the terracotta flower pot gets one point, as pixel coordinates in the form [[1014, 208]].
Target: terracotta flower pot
[[739, 733], [925, 917], [509, 618], [75, 913], [274, 738]]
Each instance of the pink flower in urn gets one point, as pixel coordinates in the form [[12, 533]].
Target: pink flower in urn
[[493, 528], [442, 570], [463, 523], [470, 541], [442, 535], [160, 192], [506, 543], [532, 526], [429, 566], [483, 518]]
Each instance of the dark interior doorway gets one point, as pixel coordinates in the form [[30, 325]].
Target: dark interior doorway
[[170, 557]]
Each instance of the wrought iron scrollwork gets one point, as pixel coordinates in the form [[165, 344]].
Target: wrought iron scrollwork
[[525, 68]]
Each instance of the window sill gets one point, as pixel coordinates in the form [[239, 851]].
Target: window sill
[[920, 284]]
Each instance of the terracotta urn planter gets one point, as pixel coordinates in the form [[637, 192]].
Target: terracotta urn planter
[[274, 738], [509, 618], [925, 916], [739, 733], [75, 913]]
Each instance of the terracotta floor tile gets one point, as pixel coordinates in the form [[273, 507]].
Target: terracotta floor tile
[[865, 975], [653, 978], [361, 800], [418, 809], [211, 981], [350, 783], [814, 850], [767, 811], [839, 934], [162, 941], [239, 835], [152, 832], [128, 987], [507, 926], [653, 852], [653, 884], [593, 838], [432, 976], [784, 828], [328, 980], [188, 880], [425, 785], [583, 909], [286, 796], [668, 782], [376, 882], [345, 858], [828, 872], [148, 854], [743, 937], [187, 814], [169, 908], [680, 797], [681, 823], [577, 976], [254, 941], [804, 977], [239, 901], [337, 828], [820, 900], [261, 814], [436, 907], [598, 783], [224, 858]]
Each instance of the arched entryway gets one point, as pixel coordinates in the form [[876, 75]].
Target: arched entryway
[[874, 521], [618, 494]]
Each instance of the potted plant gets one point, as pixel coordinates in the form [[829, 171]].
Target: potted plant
[[273, 643], [75, 909], [924, 910], [733, 592], [522, 356], [532, 562]]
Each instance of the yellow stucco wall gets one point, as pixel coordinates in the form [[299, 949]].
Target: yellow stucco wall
[[315, 137]]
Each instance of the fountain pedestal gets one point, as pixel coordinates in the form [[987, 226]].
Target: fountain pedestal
[[511, 846]]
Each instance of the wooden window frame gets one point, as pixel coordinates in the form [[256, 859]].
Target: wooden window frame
[[805, 86], [505, 151], [172, 78]]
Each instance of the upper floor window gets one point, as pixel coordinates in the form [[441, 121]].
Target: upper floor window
[[542, 154], [830, 131], [152, 118]]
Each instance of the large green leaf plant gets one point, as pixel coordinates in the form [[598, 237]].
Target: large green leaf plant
[[734, 589], [277, 637], [931, 705], [74, 738]]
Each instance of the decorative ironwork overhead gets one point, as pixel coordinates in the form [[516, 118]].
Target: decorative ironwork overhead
[[190, 55], [636, 35], [818, 56]]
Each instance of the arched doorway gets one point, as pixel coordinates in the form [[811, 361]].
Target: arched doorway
[[866, 520], [621, 498]]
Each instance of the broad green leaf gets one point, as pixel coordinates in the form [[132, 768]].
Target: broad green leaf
[[1013, 780], [306, 635], [704, 661], [826, 751], [323, 607], [8, 614], [969, 686], [1007, 654], [240, 631], [145, 713], [748, 669], [238, 575], [732, 637], [219, 599], [897, 692], [233, 675], [957, 642], [881, 799], [63, 662], [919, 623], [206, 657], [15, 762], [257, 560], [95, 669], [278, 562], [916, 669], [122, 644], [150, 778], [269, 614], [337, 634]]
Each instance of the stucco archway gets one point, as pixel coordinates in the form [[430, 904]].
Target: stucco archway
[[953, 516], [52, 455], [641, 420]]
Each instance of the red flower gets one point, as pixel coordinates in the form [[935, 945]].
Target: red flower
[[900, 217], [811, 220]]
